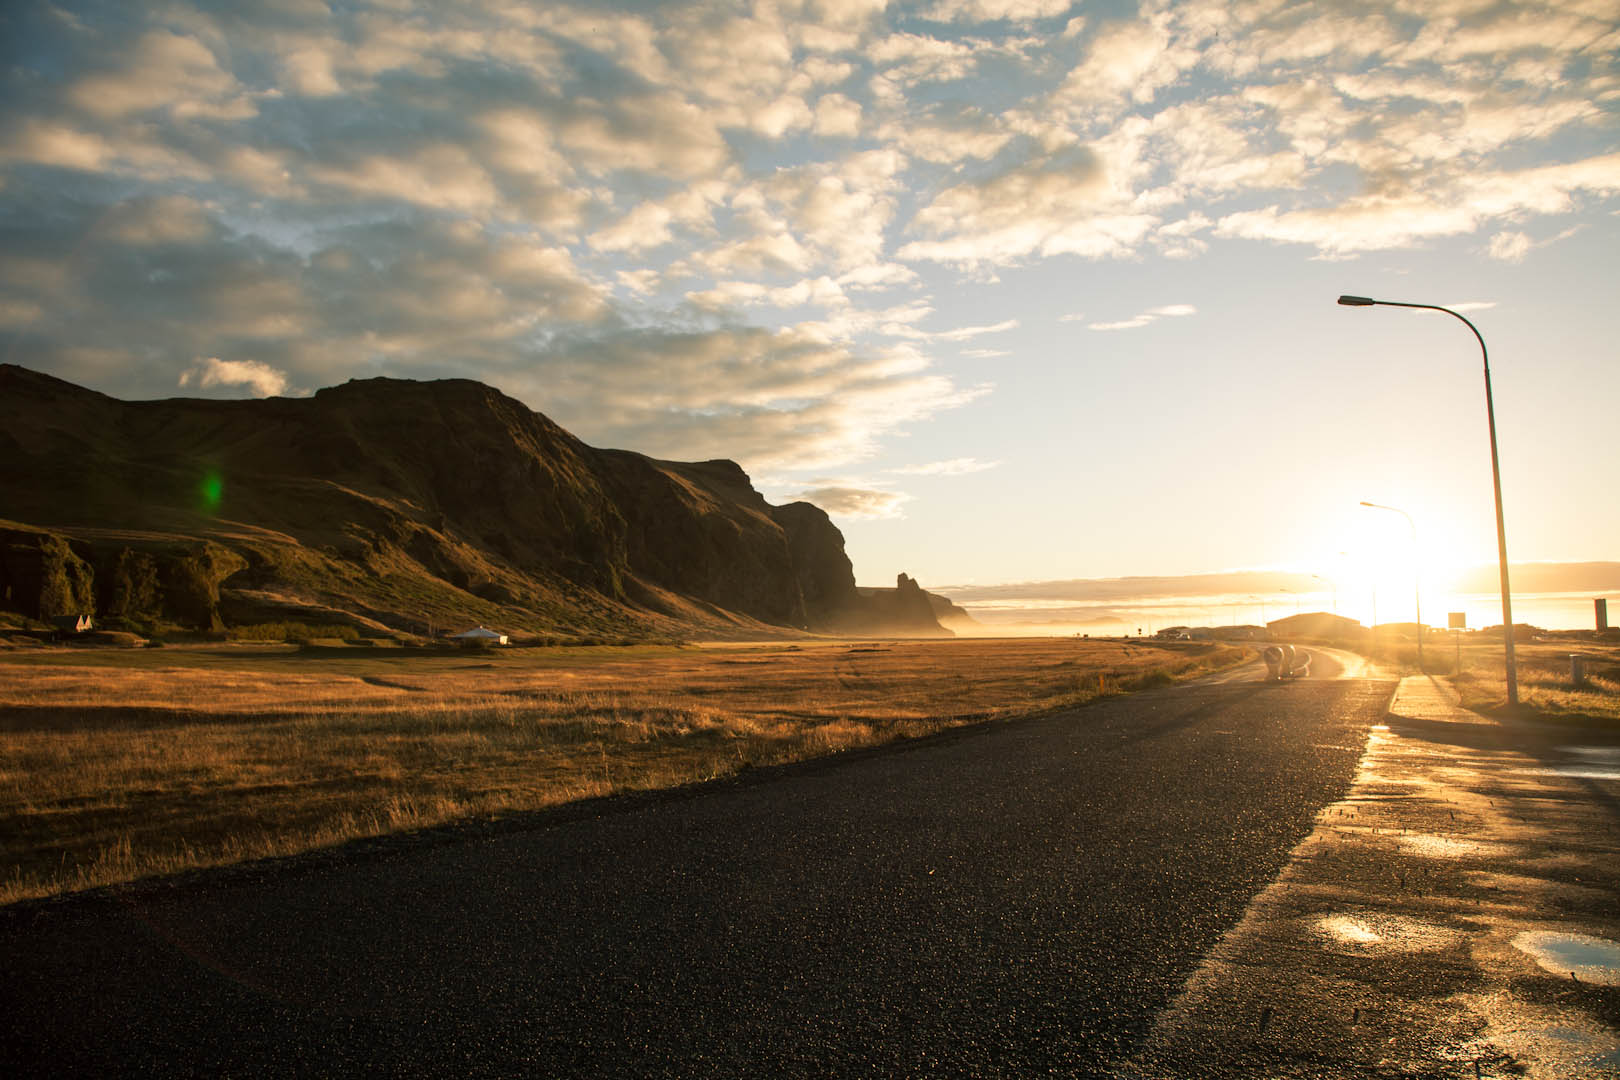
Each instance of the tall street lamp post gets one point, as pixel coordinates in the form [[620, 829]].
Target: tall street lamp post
[[1417, 593], [1496, 479]]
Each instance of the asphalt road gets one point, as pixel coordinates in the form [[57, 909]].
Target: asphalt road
[[1006, 900]]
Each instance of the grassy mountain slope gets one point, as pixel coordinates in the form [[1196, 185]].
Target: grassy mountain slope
[[391, 504]]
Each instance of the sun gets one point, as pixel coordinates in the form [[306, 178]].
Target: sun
[[1383, 569]]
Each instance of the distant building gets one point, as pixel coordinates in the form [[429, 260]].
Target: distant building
[[1314, 624], [73, 624], [478, 637]]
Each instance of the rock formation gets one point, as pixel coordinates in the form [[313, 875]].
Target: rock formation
[[399, 504]]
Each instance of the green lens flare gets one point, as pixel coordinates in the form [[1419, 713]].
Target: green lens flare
[[212, 490]]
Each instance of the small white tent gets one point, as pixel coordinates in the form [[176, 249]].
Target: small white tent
[[478, 635]]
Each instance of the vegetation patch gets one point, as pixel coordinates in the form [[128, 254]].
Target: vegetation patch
[[290, 631], [120, 764]]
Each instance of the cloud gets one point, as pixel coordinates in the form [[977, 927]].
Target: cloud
[[212, 372], [1126, 59], [837, 115], [1168, 311], [991, 10], [961, 333], [548, 195], [153, 220], [953, 467], [946, 134], [162, 70], [1510, 246], [1055, 204], [771, 399], [1409, 210], [856, 502]]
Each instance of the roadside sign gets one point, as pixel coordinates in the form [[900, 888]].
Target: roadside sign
[[1457, 620]]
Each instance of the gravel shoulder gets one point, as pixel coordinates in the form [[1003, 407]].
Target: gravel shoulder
[[1457, 914]]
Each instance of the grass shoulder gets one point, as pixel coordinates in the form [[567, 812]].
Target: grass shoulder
[[119, 764]]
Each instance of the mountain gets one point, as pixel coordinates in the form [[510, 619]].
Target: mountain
[[389, 504], [919, 613]]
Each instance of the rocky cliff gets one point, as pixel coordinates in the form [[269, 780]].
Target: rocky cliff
[[393, 504]]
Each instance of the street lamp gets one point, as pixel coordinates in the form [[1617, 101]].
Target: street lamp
[[1417, 602], [1496, 480]]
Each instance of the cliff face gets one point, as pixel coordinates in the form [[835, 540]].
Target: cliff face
[[825, 575], [905, 609], [395, 503]]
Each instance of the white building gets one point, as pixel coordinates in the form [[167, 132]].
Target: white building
[[478, 635]]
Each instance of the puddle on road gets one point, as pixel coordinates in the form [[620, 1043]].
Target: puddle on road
[[1590, 959], [1575, 772], [1589, 763], [1387, 932], [1548, 1043], [1446, 847]]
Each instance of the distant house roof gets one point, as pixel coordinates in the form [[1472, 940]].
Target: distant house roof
[[1319, 623], [480, 633]]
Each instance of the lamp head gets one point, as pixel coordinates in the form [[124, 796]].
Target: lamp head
[[1357, 301]]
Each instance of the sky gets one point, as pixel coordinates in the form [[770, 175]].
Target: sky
[[1017, 290]]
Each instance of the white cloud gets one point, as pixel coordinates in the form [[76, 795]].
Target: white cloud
[[1131, 59], [442, 176], [837, 115], [991, 10], [1510, 246], [961, 333], [1170, 311], [953, 467], [732, 294], [1448, 204], [772, 400], [512, 191], [211, 372], [163, 70], [1058, 204], [843, 500]]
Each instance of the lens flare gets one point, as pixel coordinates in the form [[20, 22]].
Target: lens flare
[[212, 490]]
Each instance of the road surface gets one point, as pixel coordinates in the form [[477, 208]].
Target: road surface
[[1004, 900]]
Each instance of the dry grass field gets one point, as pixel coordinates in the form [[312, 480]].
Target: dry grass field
[[1545, 691], [122, 764]]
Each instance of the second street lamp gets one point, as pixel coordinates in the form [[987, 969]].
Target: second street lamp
[[1496, 480], [1417, 591]]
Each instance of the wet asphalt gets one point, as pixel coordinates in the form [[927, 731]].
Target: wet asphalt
[[1015, 899]]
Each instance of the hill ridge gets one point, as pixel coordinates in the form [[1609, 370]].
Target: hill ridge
[[406, 503]]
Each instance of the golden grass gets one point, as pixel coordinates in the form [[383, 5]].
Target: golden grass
[[117, 765], [1545, 691]]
